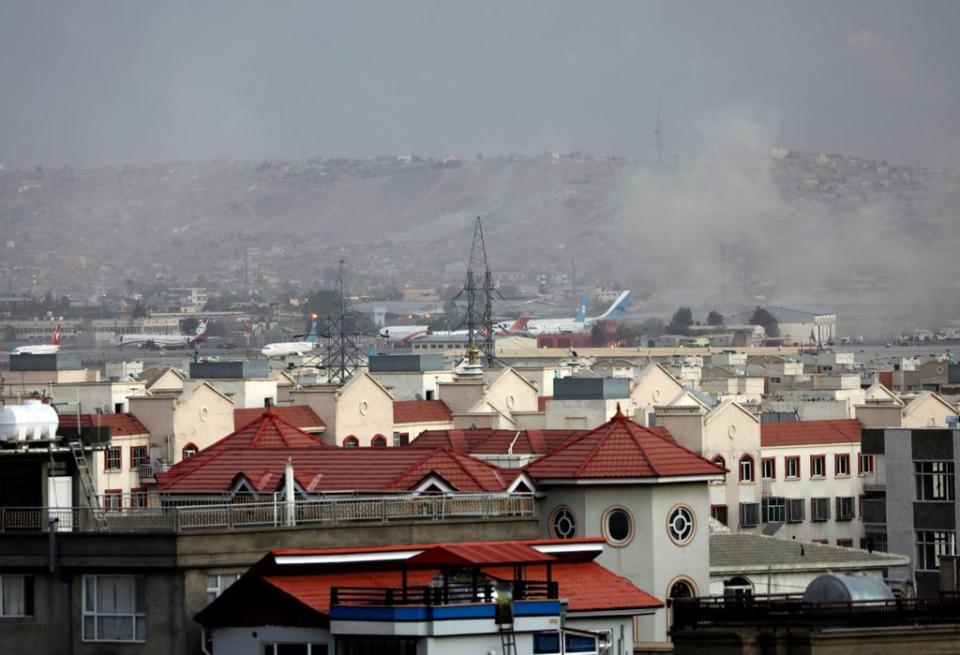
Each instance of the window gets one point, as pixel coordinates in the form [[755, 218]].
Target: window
[[190, 450], [618, 526], [563, 523], [681, 525], [579, 643], [774, 509], [795, 510], [546, 643], [818, 466], [138, 456], [841, 466], [113, 500], [719, 512], [379, 441], [112, 459], [294, 649], [845, 508], [931, 545], [722, 463], [16, 595], [934, 480], [351, 442], [746, 469], [681, 589], [749, 515], [138, 497], [113, 608], [819, 509], [768, 468], [876, 541], [218, 583], [845, 543], [401, 438], [792, 467], [865, 464]]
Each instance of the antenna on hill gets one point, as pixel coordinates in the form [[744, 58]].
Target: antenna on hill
[[659, 132], [343, 357]]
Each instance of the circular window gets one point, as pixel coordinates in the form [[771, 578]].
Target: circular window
[[511, 401], [680, 525], [656, 394], [618, 526], [203, 413], [364, 407], [563, 523], [732, 431]]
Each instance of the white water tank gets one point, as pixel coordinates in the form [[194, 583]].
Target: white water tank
[[32, 420]]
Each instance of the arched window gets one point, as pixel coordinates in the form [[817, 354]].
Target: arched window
[[746, 469], [681, 588], [189, 451], [351, 442], [722, 463], [379, 441]]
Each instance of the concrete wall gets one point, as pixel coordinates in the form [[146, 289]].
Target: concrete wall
[[879, 416], [104, 396], [250, 640], [247, 393], [364, 409], [582, 414], [413, 385], [653, 386]]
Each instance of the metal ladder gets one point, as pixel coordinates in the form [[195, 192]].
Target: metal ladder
[[80, 459], [508, 643]]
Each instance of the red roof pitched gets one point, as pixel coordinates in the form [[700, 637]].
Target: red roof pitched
[[588, 586], [259, 451], [620, 448], [421, 411], [809, 433], [121, 425], [487, 441], [299, 416]]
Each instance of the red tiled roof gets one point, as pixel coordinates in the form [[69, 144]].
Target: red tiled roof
[[486, 441], [299, 416], [588, 586], [121, 425], [620, 448], [809, 433], [421, 411], [259, 451], [479, 553]]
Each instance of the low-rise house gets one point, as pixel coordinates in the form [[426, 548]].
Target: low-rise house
[[653, 386], [357, 413], [411, 417]]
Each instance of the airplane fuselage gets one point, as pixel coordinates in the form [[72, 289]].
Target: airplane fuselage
[[287, 348], [39, 349]]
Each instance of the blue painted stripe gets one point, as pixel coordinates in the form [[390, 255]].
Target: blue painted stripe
[[440, 613]]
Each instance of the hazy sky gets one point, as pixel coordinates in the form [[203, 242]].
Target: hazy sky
[[96, 82]]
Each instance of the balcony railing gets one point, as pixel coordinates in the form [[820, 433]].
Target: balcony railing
[[426, 596], [149, 471], [270, 514], [791, 611]]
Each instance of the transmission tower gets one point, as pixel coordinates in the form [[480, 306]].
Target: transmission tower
[[479, 290], [343, 357]]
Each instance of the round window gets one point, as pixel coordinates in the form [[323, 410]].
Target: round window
[[511, 401], [680, 525], [203, 413], [656, 395], [563, 523], [618, 526], [364, 407], [732, 431]]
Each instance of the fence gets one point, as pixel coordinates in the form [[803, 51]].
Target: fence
[[273, 513]]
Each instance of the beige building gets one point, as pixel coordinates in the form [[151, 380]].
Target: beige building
[[355, 413], [653, 386]]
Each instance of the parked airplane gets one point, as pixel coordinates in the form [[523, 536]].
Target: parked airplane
[[580, 323], [402, 332], [502, 329], [164, 341], [41, 349], [299, 348]]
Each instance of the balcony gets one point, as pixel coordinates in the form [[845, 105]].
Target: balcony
[[874, 511], [148, 472], [874, 480], [275, 513]]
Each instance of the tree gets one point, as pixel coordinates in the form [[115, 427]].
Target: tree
[[766, 319], [714, 318], [681, 321]]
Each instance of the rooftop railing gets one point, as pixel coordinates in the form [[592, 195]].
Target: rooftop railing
[[274, 513], [438, 595], [792, 611]]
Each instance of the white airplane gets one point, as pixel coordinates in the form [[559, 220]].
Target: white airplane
[[501, 329], [41, 349], [163, 341], [580, 323], [402, 332], [299, 348]]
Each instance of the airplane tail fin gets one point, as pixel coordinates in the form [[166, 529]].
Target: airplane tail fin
[[55, 339], [314, 331], [520, 324], [201, 333], [617, 307], [582, 311]]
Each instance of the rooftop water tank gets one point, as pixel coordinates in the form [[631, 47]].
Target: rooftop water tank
[[32, 420], [833, 587]]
